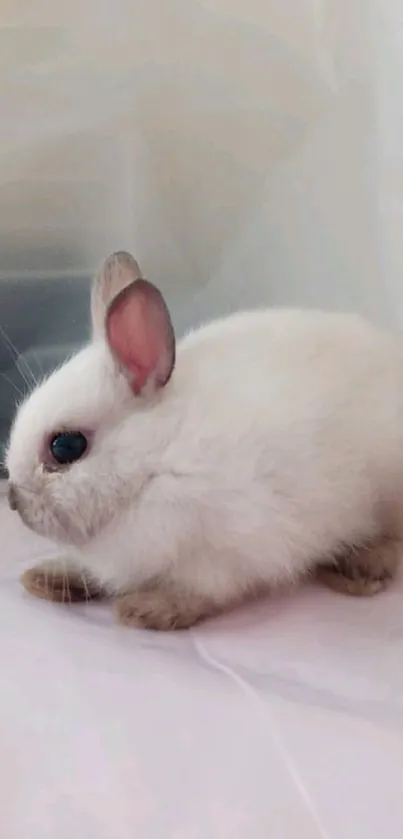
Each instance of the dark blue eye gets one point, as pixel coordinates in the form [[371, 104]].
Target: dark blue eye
[[68, 446]]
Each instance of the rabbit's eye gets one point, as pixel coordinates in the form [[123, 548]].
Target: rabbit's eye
[[68, 446]]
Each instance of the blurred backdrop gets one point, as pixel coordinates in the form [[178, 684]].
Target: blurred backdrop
[[246, 152]]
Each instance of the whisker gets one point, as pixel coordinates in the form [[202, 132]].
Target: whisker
[[39, 365], [9, 343], [20, 362], [66, 585], [85, 587], [69, 597], [23, 375]]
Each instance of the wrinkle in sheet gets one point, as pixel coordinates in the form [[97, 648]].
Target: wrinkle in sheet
[[264, 710]]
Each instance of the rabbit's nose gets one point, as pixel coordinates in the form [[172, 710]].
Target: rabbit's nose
[[12, 497]]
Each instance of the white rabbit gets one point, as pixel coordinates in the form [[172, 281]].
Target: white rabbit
[[273, 446]]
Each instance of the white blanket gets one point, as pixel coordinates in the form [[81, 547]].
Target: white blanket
[[282, 721]]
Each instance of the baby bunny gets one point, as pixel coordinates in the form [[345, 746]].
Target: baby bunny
[[266, 446]]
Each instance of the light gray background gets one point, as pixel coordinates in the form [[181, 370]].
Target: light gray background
[[263, 169]]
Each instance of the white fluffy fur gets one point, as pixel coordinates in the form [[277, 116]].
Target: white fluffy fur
[[278, 439]]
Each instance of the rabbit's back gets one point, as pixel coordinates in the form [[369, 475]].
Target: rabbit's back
[[291, 432]]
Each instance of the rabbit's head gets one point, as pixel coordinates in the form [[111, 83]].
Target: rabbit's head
[[74, 456]]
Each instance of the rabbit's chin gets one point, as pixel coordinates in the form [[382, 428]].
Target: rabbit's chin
[[56, 522]]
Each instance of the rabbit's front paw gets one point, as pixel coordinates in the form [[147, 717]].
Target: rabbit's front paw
[[59, 581]]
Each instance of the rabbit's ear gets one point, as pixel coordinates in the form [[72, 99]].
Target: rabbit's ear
[[140, 335], [116, 272]]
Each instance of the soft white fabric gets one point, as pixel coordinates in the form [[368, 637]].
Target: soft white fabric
[[282, 720]]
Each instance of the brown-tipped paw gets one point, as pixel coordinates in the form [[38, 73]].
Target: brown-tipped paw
[[356, 587], [364, 570], [157, 610], [59, 582]]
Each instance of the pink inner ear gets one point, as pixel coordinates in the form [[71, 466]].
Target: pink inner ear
[[140, 334]]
